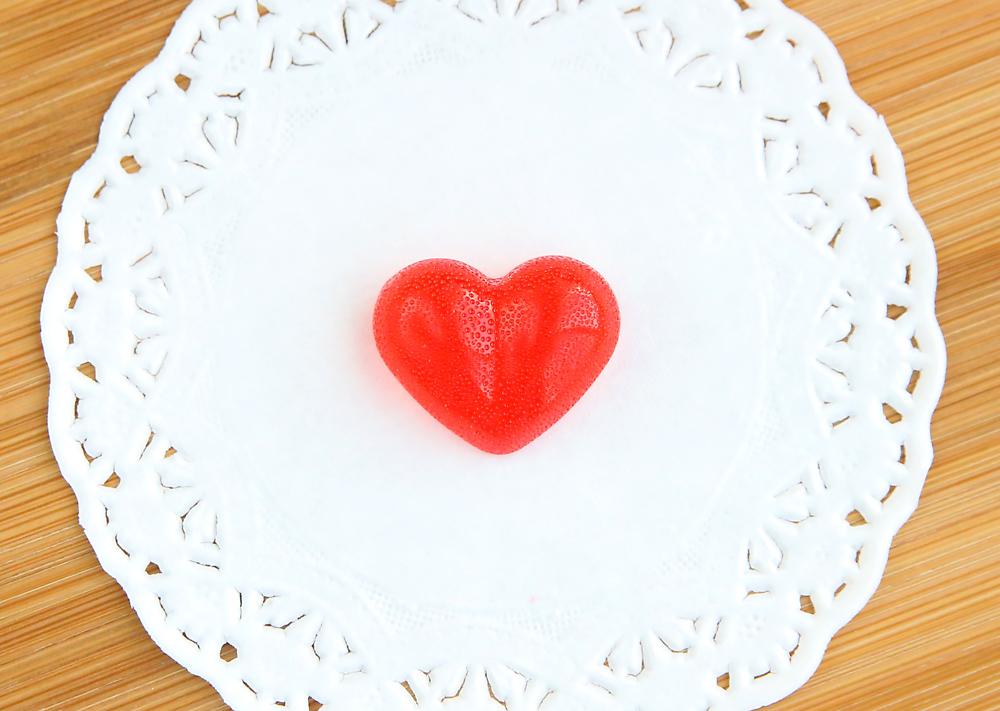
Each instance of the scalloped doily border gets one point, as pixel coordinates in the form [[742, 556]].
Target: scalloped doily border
[[636, 670]]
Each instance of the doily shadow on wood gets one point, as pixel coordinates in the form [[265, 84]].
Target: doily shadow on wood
[[290, 526]]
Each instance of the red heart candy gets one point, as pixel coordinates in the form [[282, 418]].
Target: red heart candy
[[497, 361]]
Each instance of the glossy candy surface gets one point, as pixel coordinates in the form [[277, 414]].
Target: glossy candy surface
[[497, 361]]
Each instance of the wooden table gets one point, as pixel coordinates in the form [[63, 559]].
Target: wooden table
[[930, 638]]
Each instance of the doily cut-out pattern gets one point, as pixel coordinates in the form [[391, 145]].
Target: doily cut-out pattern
[[809, 546]]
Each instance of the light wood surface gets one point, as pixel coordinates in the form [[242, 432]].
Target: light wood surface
[[930, 638]]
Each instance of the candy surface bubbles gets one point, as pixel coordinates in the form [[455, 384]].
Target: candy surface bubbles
[[497, 361]]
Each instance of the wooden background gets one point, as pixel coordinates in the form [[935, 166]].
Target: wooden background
[[930, 638]]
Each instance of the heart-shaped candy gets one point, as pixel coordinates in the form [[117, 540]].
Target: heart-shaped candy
[[497, 361]]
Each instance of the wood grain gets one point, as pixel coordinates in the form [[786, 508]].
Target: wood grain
[[930, 638]]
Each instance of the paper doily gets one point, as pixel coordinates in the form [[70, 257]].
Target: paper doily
[[290, 526]]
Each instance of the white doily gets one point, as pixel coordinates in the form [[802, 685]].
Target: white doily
[[291, 526]]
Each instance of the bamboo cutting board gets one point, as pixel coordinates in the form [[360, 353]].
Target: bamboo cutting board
[[929, 639]]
